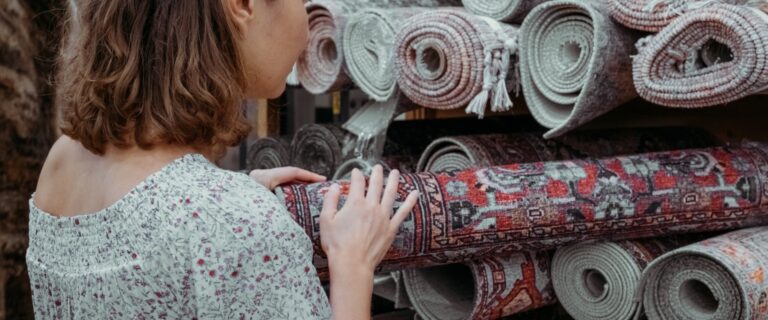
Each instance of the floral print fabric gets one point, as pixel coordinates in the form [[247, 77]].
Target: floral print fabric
[[191, 241]]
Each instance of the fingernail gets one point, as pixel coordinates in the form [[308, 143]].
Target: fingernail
[[335, 187]]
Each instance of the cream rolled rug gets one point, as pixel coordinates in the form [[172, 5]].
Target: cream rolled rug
[[449, 59], [720, 278], [598, 281], [268, 153], [489, 288], [503, 10], [654, 15], [575, 63], [708, 57], [321, 68], [368, 45]]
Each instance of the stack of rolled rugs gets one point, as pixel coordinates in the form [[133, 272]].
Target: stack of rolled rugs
[[478, 244], [573, 61], [703, 53], [321, 68]]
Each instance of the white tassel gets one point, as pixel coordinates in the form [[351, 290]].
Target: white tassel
[[501, 100], [478, 104]]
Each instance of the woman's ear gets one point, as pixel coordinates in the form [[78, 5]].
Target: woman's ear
[[241, 11]]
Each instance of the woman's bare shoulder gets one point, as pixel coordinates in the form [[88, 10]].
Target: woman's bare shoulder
[[57, 172]]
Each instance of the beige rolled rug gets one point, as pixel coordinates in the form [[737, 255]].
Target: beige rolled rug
[[576, 63], [449, 59], [708, 57], [503, 10], [321, 68], [654, 15]]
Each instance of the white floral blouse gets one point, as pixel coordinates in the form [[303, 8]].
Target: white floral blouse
[[192, 241]]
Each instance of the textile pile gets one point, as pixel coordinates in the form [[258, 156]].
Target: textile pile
[[321, 68], [510, 290]]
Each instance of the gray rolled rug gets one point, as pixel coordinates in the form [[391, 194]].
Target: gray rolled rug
[[503, 10], [707, 57], [321, 68], [368, 45], [575, 65], [268, 153], [720, 278], [318, 148], [598, 281], [449, 59]]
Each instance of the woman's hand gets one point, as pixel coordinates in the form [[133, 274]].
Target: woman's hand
[[272, 178], [361, 233]]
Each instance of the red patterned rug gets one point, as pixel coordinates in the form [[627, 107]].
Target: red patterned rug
[[478, 213]]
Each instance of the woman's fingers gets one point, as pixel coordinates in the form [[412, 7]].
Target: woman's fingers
[[330, 203], [390, 192], [375, 184], [357, 187], [404, 211], [289, 174]]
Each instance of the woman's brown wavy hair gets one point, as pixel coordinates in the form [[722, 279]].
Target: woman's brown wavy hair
[[144, 72]]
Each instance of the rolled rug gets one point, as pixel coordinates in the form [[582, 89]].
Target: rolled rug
[[368, 45], [654, 15], [595, 281], [575, 66], [707, 57], [502, 10], [268, 153], [318, 148], [462, 152], [488, 288], [476, 213], [449, 59], [321, 67], [719, 278]]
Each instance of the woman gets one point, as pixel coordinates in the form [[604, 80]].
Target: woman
[[131, 220]]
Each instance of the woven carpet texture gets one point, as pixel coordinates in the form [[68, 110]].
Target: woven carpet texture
[[710, 56], [449, 58], [718, 278], [468, 215]]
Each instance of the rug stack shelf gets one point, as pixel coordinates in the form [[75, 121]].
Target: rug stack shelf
[[568, 194]]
